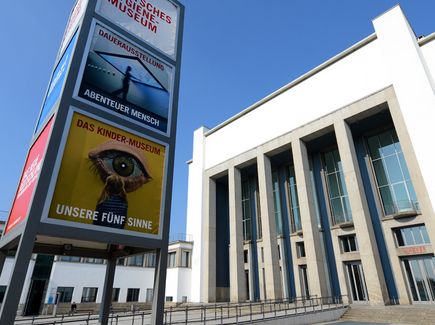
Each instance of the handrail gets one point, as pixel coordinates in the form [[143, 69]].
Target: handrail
[[224, 313]]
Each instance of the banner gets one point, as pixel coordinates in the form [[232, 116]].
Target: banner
[[125, 79], [56, 83], [154, 21], [28, 179], [109, 178]]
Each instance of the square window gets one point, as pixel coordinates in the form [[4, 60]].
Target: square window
[[115, 294], [300, 249], [133, 294], [348, 243], [89, 294], [65, 294]]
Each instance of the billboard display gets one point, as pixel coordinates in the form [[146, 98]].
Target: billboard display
[[109, 178], [154, 21], [56, 83], [76, 14], [127, 80], [28, 179]]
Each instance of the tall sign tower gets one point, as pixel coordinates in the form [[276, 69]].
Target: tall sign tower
[[98, 175]]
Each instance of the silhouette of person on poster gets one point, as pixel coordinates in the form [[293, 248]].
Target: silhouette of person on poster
[[125, 85]]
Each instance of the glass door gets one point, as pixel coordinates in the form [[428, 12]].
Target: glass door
[[420, 272], [303, 276], [356, 280]]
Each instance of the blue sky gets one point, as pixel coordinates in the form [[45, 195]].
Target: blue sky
[[235, 52]]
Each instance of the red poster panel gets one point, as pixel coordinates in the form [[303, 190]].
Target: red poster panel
[[28, 179]]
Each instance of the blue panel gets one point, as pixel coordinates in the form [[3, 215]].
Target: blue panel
[[330, 257], [56, 83], [376, 220]]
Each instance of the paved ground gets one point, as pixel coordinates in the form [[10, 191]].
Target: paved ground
[[358, 323]]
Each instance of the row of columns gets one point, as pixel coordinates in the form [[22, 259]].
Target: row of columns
[[315, 256]]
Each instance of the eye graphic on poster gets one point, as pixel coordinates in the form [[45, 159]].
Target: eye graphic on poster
[[122, 169], [109, 178], [126, 79]]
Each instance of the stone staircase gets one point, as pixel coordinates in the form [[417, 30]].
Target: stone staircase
[[391, 314]]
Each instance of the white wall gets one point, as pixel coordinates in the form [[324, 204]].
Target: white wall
[[194, 212], [80, 275], [413, 83], [6, 274], [355, 76], [428, 51]]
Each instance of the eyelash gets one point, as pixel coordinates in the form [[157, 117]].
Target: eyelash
[[103, 164]]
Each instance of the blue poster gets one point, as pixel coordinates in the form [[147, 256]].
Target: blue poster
[[56, 83]]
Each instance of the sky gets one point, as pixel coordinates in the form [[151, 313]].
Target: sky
[[235, 52]]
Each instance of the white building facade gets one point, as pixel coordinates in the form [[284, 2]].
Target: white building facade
[[325, 187], [81, 280]]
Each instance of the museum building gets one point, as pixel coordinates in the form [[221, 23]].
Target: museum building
[[325, 187]]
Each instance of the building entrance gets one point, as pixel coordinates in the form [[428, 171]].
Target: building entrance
[[357, 282], [420, 274]]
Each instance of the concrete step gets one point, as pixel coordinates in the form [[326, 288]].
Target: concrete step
[[391, 314]]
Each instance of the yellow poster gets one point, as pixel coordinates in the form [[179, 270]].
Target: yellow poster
[[109, 178]]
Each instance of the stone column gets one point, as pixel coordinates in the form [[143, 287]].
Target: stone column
[[237, 272], [317, 281], [209, 288], [270, 244], [370, 260]]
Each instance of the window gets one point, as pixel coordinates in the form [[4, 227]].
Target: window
[[115, 294], [246, 211], [169, 298], [348, 244], [136, 260], [69, 259], [65, 293], [89, 294], [300, 249], [93, 260], [184, 299], [392, 175], [277, 203], [295, 216], [150, 259], [133, 294], [171, 259], [337, 192], [314, 193], [185, 259], [408, 236], [120, 261], [245, 255], [2, 293], [149, 296], [279, 253]]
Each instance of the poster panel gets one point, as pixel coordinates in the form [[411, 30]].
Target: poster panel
[[125, 79], [76, 15], [109, 178], [154, 21], [56, 83], [28, 179]]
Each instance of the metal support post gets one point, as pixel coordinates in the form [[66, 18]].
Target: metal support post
[[107, 291]]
